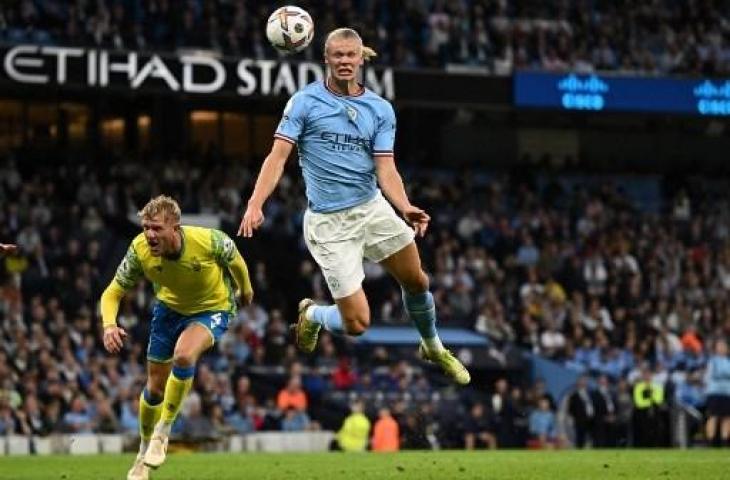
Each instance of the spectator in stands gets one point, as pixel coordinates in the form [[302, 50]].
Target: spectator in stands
[[294, 420], [194, 425], [582, 409], [105, 419], [604, 431], [624, 413], [243, 419], [717, 380], [78, 418], [479, 429], [7, 420], [543, 426], [292, 395], [354, 434], [129, 416], [386, 435], [30, 418], [344, 377]]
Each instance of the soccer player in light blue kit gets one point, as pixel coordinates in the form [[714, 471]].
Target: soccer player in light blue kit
[[345, 135]]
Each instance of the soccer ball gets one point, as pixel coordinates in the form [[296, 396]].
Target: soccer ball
[[290, 29]]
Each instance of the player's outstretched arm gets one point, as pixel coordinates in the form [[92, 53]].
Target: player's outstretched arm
[[7, 249], [391, 184], [113, 334], [269, 176]]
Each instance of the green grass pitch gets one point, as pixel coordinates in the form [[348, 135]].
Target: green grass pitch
[[447, 465]]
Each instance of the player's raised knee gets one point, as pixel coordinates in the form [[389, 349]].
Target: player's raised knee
[[356, 324], [183, 358]]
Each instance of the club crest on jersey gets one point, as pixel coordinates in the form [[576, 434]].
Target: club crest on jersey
[[351, 112]]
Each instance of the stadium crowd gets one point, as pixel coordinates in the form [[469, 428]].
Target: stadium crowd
[[580, 274], [495, 35]]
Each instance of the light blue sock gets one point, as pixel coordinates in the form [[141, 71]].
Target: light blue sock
[[328, 317], [422, 310]]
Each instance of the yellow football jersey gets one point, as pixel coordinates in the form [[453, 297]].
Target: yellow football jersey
[[197, 281]]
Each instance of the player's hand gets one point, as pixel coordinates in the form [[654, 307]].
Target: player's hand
[[247, 298], [417, 218], [114, 338], [252, 219], [7, 249]]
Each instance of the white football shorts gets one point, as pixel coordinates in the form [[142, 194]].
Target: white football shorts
[[339, 241]]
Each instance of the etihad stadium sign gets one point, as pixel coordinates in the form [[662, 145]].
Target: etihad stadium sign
[[193, 72]]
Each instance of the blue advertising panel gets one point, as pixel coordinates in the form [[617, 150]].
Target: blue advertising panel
[[594, 92]]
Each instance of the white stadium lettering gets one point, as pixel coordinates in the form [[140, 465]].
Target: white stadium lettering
[[284, 80], [155, 67], [105, 67], [61, 55], [27, 64], [189, 84], [14, 60]]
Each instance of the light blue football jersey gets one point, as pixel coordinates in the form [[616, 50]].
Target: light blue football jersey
[[338, 137]]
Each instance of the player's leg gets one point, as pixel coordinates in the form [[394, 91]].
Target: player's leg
[[150, 402], [150, 409], [159, 363], [389, 241], [350, 315], [195, 340], [336, 246], [199, 334], [405, 266]]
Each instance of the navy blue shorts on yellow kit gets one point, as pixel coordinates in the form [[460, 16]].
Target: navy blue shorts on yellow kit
[[168, 325]]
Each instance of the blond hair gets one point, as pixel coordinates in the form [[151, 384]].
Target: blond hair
[[344, 33], [161, 204]]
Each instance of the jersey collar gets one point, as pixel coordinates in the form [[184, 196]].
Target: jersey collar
[[338, 94]]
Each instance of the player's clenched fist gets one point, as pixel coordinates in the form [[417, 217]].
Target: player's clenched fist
[[114, 338]]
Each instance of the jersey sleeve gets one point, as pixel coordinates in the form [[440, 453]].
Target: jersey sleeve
[[293, 119], [129, 270], [385, 132], [224, 250]]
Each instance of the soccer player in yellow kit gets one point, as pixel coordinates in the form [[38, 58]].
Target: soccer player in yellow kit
[[193, 271]]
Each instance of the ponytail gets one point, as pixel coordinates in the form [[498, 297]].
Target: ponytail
[[368, 53]]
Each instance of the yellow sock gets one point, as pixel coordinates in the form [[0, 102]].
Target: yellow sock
[[149, 415], [176, 390]]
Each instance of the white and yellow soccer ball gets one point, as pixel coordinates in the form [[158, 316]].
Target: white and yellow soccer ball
[[290, 29]]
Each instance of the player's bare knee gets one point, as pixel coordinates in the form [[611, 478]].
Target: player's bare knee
[[356, 324], [416, 284], [183, 359], [356, 329]]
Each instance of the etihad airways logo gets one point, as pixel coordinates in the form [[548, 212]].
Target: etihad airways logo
[[345, 141]]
